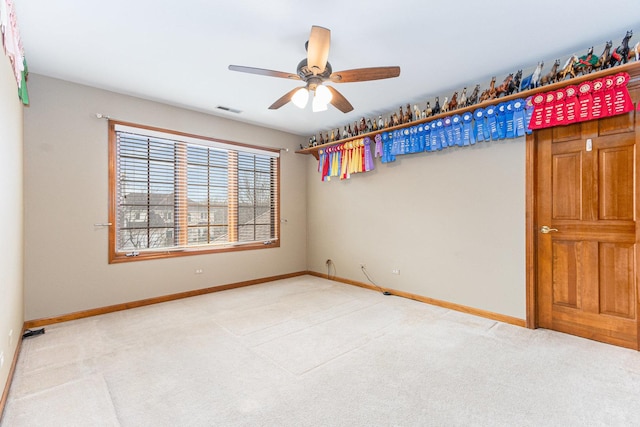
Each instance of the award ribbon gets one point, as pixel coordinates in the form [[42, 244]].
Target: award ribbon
[[435, 140], [519, 117], [510, 129], [404, 145], [597, 99], [481, 131], [467, 130], [501, 115], [378, 150], [456, 129], [448, 131], [413, 139], [442, 137], [427, 137], [549, 110], [560, 110], [528, 113], [609, 93], [492, 122], [571, 104], [368, 158], [537, 118], [421, 135], [584, 101]]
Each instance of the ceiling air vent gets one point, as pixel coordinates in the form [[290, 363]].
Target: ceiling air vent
[[230, 110]]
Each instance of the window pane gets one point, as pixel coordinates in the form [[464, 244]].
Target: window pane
[[197, 235], [219, 215], [219, 234], [263, 232]]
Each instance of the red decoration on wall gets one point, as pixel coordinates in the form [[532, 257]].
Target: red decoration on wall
[[560, 112], [537, 118], [571, 104], [585, 101]]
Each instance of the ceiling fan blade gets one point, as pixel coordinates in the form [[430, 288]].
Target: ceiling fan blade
[[339, 101], [283, 99], [264, 72], [364, 74], [318, 49]]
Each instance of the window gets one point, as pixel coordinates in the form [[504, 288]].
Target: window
[[173, 194]]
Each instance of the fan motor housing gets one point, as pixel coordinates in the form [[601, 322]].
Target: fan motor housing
[[307, 75]]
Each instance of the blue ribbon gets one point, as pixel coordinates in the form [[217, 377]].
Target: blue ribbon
[[435, 140], [442, 137], [421, 135], [492, 122], [528, 113], [456, 126], [413, 139], [510, 127], [427, 137], [520, 121], [501, 115], [467, 129], [481, 130], [448, 131], [395, 142], [404, 145], [387, 144]]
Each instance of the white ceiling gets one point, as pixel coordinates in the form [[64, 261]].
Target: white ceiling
[[178, 52]]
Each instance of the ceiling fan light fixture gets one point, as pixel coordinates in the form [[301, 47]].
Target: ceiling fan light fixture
[[317, 105], [323, 94], [301, 97]]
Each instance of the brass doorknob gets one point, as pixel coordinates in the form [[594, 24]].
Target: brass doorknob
[[545, 229]]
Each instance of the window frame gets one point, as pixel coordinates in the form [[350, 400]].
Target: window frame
[[116, 256]]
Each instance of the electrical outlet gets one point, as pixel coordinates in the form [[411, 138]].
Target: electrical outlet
[[199, 271], [395, 271], [1, 358]]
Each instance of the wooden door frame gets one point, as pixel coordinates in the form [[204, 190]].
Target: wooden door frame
[[531, 207], [531, 262]]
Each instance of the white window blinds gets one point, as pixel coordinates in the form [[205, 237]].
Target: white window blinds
[[175, 192]]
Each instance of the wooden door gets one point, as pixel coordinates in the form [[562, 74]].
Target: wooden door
[[586, 270]]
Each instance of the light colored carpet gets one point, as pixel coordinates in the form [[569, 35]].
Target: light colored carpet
[[311, 352]]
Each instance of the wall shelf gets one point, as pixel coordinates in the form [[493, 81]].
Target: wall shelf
[[629, 67]]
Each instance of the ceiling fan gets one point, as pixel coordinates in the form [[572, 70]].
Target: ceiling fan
[[314, 70]]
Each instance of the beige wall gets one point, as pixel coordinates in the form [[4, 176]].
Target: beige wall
[[11, 277], [452, 222], [66, 192]]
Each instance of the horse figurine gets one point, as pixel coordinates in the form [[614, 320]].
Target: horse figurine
[[621, 54], [436, 107], [504, 86], [473, 98], [428, 111], [586, 63], [551, 76], [463, 98], [453, 104], [490, 92], [416, 112], [445, 105], [514, 84], [533, 80], [567, 69], [604, 58]]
